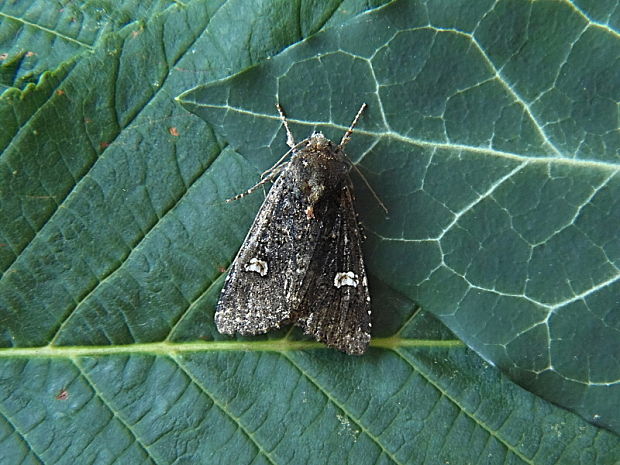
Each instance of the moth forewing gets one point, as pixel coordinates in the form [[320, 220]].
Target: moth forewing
[[301, 261], [263, 285], [337, 311]]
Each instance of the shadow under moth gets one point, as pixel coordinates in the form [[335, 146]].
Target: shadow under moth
[[301, 262]]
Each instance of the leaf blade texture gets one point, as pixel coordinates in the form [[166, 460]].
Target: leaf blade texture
[[114, 237], [502, 203]]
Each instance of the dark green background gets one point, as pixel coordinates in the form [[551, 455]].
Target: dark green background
[[492, 138]]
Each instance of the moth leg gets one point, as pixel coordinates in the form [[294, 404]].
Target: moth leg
[[372, 191], [290, 140], [279, 164], [266, 177]]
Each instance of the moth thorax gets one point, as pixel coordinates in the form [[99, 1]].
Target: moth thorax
[[325, 176]]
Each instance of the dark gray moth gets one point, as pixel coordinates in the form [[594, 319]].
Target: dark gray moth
[[301, 262]]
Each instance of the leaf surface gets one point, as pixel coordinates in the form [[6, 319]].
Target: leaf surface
[[114, 237], [500, 174], [38, 36]]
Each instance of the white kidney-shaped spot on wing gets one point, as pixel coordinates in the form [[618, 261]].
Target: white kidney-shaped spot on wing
[[258, 266], [346, 278]]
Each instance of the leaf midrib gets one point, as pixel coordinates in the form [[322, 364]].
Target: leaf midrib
[[389, 134], [175, 348], [47, 30]]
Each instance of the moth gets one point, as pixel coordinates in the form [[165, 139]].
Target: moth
[[301, 262]]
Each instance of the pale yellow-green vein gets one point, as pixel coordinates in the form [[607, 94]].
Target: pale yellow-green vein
[[173, 348]]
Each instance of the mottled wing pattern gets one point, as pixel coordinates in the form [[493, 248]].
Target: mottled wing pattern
[[336, 306], [265, 282]]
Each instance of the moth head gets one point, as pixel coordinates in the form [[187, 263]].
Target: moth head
[[318, 141]]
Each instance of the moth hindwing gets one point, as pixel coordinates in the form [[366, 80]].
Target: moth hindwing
[[301, 262]]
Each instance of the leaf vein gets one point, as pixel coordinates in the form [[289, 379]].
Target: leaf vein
[[335, 401], [121, 262], [47, 30], [192, 304], [22, 436], [452, 399], [113, 412], [89, 168], [221, 407], [531, 159], [605, 27]]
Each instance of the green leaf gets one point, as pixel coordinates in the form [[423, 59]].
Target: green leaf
[[431, 403], [492, 138], [39, 36], [114, 235]]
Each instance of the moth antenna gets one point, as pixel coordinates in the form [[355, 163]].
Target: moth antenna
[[290, 140], [374, 194], [275, 170], [347, 135]]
